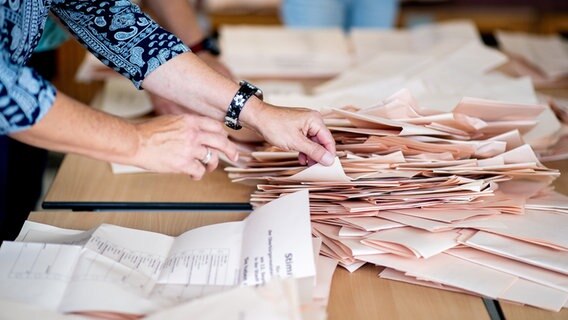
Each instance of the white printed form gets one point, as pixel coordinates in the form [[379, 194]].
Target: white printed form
[[39, 232], [36, 273], [142, 251], [209, 255], [277, 241], [122, 266]]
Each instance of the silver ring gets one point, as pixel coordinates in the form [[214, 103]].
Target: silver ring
[[207, 157]]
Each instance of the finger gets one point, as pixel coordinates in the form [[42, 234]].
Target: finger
[[213, 162], [220, 143], [302, 159], [310, 162], [195, 170], [323, 135], [201, 153], [315, 151], [210, 125]]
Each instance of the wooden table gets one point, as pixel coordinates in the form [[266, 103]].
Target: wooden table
[[560, 184], [358, 295], [86, 184], [81, 181]]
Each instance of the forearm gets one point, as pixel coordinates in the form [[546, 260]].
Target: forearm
[[71, 127], [188, 81], [178, 17]]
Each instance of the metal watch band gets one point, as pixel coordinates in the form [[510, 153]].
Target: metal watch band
[[245, 91]]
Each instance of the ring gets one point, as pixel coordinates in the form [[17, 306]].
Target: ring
[[207, 157]]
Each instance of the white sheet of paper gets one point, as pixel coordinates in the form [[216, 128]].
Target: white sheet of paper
[[286, 52], [277, 241], [370, 42], [278, 300], [123, 265], [121, 98], [118, 168], [49, 266], [38, 232], [10, 310]]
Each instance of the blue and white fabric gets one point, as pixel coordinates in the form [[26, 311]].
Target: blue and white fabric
[[117, 32]]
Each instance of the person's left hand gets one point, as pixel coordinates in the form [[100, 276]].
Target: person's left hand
[[297, 129]]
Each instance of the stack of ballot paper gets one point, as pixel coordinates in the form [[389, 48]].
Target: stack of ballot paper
[[116, 270], [440, 64], [544, 58], [369, 42], [120, 98], [269, 51], [455, 200]]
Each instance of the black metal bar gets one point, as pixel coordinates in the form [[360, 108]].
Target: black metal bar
[[494, 309], [94, 206]]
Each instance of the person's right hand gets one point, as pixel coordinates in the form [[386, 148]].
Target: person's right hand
[[298, 129], [178, 143]]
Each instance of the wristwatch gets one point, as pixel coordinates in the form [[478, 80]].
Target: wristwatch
[[208, 44], [245, 91]]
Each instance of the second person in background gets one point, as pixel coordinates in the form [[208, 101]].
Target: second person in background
[[345, 14]]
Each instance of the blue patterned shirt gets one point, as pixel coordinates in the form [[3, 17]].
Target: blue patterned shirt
[[116, 32]]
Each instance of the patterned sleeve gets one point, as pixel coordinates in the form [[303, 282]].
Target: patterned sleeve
[[25, 97], [120, 35]]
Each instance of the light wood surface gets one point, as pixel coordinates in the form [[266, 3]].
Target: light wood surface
[[171, 223], [560, 184], [358, 295], [81, 179], [517, 312], [362, 295]]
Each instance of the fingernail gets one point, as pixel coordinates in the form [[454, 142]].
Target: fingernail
[[327, 159]]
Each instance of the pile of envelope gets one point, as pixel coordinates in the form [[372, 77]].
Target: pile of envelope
[[269, 51], [454, 200], [544, 58]]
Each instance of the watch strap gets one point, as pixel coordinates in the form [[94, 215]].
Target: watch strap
[[245, 91], [206, 44]]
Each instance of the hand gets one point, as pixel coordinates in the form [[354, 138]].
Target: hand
[[215, 64], [297, 129], [178, 143]]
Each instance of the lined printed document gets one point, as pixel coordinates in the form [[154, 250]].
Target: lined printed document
[[138, 272]]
